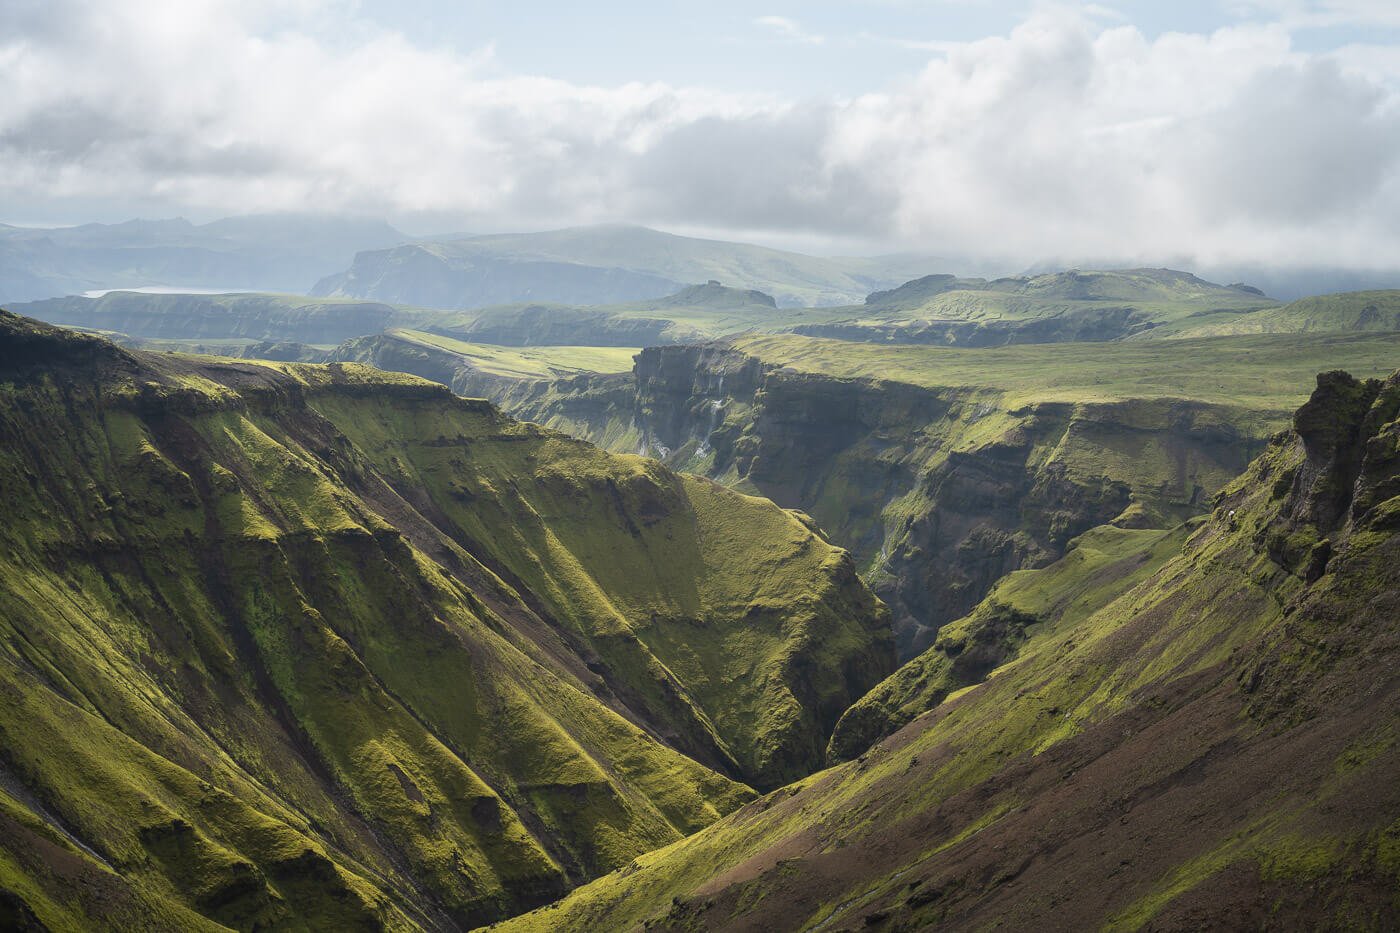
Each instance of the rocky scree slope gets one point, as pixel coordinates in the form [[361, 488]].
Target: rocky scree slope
[[1214, 748], [316, 646]]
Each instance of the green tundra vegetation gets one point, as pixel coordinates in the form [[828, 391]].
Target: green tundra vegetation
[[532, 363], [1136, 304], [325, 647], [1249, 371], [237, 316], [1211, 741], [942, 310], [308, 646], [1061, 306], [943, 469], [1098, 566], [1350, 311]]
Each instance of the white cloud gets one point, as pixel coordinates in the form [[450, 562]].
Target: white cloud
[[1064, 139]]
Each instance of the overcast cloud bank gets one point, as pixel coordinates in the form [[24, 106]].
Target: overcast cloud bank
[[1073, 136]]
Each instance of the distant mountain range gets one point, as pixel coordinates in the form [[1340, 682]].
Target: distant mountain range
[[941, 310], [266, 253], [604, 265], [611, 264]]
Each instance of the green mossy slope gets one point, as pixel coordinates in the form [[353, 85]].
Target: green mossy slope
[[271, 659], [1062, 306], [1098, 567], [721, 619], [1214, 748], [942, 469], [1375, 311], [249, 316], [480, 370]]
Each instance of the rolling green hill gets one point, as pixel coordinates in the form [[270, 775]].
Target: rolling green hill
[[319, 647], [482, 370], [937, 310], [252, 317], [1062, 306], [1375, 312], [1213, 747], [694, 313]]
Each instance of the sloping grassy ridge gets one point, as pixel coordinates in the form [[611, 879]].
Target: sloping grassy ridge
[[1374, 311], [1214, 748], [298, 646], [251, 316]]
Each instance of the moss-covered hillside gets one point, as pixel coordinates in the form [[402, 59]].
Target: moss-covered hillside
[[944, 469], [1062, 306], [1215, 748], [480, 370], [243, 316], [1374, 311], [289, 646]]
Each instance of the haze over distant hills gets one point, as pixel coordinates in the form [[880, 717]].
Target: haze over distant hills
[[602, 265], [358, 257], [281, 252]]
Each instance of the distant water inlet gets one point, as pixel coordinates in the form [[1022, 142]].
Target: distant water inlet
[[168, 290]]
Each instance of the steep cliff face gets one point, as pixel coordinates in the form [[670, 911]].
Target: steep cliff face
[[395, 355], [318, 646], [938, 492], [1212, 747]]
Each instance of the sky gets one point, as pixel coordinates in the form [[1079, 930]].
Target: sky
[[1200, 131]]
